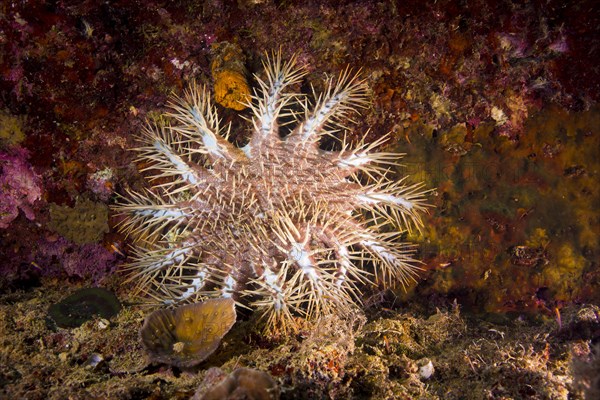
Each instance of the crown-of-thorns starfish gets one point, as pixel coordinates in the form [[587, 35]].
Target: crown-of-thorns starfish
[[280, 225]]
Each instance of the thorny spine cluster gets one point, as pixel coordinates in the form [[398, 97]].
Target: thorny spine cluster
[[280, 225]]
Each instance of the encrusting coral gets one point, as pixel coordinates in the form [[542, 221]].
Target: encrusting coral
[[280, 225], [229, 73]]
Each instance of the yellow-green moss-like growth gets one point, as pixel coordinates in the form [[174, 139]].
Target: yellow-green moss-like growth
[[11, 129], [84, 223]]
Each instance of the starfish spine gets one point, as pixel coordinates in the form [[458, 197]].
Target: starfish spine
[[280, 225]]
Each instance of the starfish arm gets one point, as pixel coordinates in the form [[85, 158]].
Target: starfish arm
[[198, 123], [270, 100], [341, 98]]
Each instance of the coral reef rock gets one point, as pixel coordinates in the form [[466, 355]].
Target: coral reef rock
[[243, 383]]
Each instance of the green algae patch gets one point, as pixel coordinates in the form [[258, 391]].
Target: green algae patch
[[84, 305], [87, 222]]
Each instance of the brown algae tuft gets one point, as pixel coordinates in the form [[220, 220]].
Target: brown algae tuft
[[187, 335], [84, 305]]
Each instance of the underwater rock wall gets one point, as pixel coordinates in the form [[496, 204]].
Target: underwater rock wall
[[494, 102]]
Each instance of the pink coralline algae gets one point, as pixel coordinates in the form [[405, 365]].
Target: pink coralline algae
[[55, 256], [89, 261], [19, 186]]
